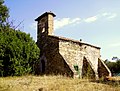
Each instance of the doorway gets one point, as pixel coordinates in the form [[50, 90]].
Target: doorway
[[43, 66]]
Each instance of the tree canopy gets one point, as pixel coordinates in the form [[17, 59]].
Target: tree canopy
[[113, 66], [4, 14], [18, 51]]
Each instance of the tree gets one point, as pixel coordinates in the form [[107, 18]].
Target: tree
[[4, 14], [18, 51], [113, 66]]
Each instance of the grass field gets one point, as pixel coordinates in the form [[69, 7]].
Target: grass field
[[55, 83]]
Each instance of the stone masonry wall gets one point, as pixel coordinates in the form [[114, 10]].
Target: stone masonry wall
[[61, 55], [55, 62], [74, 52], [92, 54]]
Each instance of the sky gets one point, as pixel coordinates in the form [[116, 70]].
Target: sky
[[96, 22]]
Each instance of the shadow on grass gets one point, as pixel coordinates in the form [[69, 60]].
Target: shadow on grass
[[114, 83]]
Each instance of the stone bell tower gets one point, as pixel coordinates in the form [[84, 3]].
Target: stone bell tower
[[45, 23], [45, 26]]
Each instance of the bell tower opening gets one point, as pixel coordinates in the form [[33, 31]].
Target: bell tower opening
[[45, 24]]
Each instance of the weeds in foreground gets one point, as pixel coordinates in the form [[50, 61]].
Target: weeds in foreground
[[55, 83]]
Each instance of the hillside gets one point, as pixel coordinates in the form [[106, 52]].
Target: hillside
[[54, 83]]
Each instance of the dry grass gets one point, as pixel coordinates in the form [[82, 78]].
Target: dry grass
[[54, 83]]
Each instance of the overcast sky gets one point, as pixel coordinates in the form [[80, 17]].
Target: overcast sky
[[96, 22]]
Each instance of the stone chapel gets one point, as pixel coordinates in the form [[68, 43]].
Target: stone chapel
[[64, 56]]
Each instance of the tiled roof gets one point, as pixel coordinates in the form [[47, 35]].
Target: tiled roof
[[72, 40], [45, 14]]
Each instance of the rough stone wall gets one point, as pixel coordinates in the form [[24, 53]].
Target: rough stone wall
[[50, 24], [62, 55], [74, 52], [92, 54], [55, 62]]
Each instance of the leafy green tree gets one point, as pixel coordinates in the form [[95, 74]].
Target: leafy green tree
[[4, 14], [18, 53], [113, 66]]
